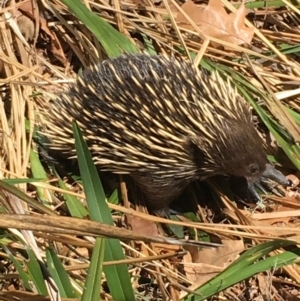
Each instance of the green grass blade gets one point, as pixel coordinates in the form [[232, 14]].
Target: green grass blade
[[112, 40], [38, 171], [259, 251], [290, 148], [246, 266], [294, 114], [35, 273], [92, 286], [24, 197], [59, 275], [118, 278], [25, 180], [75, 207], [263, 4], [24, 276], [114, 197]]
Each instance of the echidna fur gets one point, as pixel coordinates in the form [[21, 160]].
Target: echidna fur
[[161, 120]]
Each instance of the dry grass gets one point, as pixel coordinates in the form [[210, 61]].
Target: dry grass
[[39, 58]]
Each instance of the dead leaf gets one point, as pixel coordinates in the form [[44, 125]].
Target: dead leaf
[[142, 226], [213, 21], [56, 47], [287, 296], [26, 26], [29, 14], [24, 19], [265, 286], [200, 266], [294, 179]]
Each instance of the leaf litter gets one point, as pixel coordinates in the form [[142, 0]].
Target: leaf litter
[[24, 75], [214, 22]]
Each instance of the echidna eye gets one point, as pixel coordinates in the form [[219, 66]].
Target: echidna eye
[[253, 169]]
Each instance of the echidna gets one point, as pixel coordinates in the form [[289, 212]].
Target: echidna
[[163, 121]]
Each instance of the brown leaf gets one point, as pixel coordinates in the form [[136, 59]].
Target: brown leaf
[[213, 21], [295, 180], [24, 18], [142, 226], [235, 25], [264, 286], [26, 26], [28, 13], [200, 266], [56, 47]]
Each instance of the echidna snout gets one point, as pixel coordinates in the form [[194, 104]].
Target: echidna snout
[[161, 120]]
